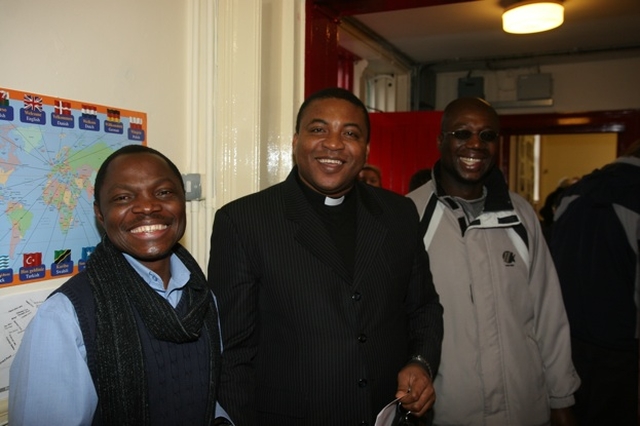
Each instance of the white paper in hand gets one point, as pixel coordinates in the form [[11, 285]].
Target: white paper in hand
[[387, 414]]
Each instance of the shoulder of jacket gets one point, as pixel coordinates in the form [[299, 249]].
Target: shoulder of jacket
[[421, 195], [521, 206], [256, 197]]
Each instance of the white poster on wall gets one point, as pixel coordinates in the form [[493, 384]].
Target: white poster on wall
[[16, 310]]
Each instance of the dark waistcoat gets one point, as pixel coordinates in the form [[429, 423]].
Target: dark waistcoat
[[177, 373]]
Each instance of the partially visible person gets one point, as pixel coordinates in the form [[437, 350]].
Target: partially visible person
[[551, 203], [596, 248], [133, 339], [506, 353], [370, 175], [419, 178], [327, 307]]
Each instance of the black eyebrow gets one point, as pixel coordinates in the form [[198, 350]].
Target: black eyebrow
[[318, 120]]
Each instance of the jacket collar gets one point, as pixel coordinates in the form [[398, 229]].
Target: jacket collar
[[312, 234]]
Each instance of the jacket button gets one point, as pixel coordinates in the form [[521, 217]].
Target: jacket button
[[362, 383], [362, 338], [356, 296]]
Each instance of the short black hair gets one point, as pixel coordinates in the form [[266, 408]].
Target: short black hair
[[374, 169], [334, 93], [129, 149]]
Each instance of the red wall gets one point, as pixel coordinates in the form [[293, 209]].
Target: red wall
[[402, 143]]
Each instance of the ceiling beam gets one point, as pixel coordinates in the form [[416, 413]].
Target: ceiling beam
[[376, 42], [358, 7]]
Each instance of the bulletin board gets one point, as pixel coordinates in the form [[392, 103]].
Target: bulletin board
[[50, 151]]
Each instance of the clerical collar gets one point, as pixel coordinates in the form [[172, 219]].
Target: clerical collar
[[318, 199], [328, 201]]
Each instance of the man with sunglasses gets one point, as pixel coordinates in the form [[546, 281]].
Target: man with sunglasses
[[506, 355]]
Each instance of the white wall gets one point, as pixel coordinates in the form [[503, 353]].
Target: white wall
[[127, 54], [581, 86]]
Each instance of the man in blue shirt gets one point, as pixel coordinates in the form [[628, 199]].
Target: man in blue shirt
[[134, 339]]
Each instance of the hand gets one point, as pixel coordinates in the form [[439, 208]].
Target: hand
[[563, 417], [415, 389]]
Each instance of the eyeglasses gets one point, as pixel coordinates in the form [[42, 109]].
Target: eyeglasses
[[465, 135]]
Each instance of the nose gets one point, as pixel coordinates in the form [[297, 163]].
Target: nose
[[333, 141], [146, 204], [474, 141]]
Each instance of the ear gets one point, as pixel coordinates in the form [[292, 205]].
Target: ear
[[98, 213], [440, 142]]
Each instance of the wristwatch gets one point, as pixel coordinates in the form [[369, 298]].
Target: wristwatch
[[423, 362]]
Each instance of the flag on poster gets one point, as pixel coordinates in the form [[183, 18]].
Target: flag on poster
[[61, 256], [4, 98], [135, 123], [62, 107], [31, 259], [33, 103], [89, 111], [86, 252], [113, 115]]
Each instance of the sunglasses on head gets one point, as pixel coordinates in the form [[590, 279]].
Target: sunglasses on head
[[465, 135]]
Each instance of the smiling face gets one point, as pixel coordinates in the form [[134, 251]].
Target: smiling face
[[331, 146], [465, 163], [142, 208]]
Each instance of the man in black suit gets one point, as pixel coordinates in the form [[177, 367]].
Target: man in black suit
[[328, 310]]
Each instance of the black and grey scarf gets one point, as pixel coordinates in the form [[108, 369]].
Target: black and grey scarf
[[119, 290]]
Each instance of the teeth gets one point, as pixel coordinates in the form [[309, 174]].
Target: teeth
[[148, 228], [329, 161], [470, 161]]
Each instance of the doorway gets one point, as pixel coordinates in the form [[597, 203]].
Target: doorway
[[542, 163]]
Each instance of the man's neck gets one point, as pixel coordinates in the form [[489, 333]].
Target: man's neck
[[464, 191]]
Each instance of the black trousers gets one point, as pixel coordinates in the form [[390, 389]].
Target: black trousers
[[608, 394]]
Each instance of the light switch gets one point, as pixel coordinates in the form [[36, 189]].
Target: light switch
[[192, 186]]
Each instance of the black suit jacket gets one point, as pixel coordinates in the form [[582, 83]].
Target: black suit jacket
[[306, 342]]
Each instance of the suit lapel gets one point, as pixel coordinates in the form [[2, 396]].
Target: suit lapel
[[371, 233], [313, 236], [311, 232]]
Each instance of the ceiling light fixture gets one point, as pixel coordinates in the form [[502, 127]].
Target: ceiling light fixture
[[526, 17]]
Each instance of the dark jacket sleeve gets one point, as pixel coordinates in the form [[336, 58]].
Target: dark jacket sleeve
[[230, 276], [424, 310]]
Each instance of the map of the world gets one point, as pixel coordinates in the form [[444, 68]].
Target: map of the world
[[50, 151]]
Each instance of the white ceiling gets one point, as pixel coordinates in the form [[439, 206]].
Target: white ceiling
[[468, 35]]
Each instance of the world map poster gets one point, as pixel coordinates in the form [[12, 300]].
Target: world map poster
[[50, 151]]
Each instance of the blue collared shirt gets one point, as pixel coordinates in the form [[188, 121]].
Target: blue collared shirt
[[49, 381]]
